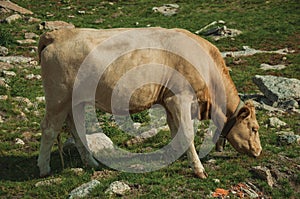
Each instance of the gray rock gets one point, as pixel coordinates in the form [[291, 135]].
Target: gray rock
[[55, 25], [16, 59], [84, 190], [278, 89], [97, 142], [3, 51], [26, 41], [167, 9], [275, 122], [48, 182], [30, 35], [272, 67], [263, 173], [9, 73], [118, 187], [287, 138], [13, 18], [12, 6]]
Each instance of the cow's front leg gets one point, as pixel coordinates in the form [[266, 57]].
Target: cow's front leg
[[180, 121], [195, 162]]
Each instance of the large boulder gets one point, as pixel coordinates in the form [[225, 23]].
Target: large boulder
[[278, 89]]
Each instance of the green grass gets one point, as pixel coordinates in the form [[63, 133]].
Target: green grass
[[266, 25]]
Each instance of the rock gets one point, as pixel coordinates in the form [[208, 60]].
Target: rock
[[9, 73], [137, 125], [19, 141], [49, 182], [3, 83], [263, 173], [16, 59], [40, 99], [287, 138], [33, 20], [118, 188], [32, 76], [167, 9], [13, 18], [77, 171], [97, 142], [217, 181], [272, 67], [24, 100], [12, 6], [26, 41], [55, 25], [278, 89], [3, 97], [3, 51], [84, 190], [30, 35], [275, 122], [250, 51]]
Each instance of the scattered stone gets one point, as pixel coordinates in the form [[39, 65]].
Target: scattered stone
[[81, 12], [27, 135], [287, 138], [278, 89], [16, 59], [97, 142], [3, 83], [212, 161], [3, 51], [9, 73], [167, 9], [33, 20], [250, 51], [118, 188], [77, 171], [275, 122], [142, 137], [48, 182], [137, 125], [12, 6], [272, 67], [40, 99], [263, 173], [217, 181], [13, 18], [30, 35], [24, 100], [3, 97], [55, 25], [19, 141], [102, 174], [26, 41], [84, 190], [32, 76]]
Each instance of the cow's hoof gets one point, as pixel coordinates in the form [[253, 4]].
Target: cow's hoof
[[201, 175]]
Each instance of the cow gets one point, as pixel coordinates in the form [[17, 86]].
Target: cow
[[169, 56]]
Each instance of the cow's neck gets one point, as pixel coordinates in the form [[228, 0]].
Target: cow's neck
[[232, 98]]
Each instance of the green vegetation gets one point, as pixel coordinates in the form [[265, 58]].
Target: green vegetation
[[266, 25]]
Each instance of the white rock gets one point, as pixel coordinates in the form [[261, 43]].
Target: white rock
[[275, 122], [26, 41], [12, 18], [32, 76], [30, 35], [137, 125], [40, 99], [3, 51], [118, 187], [84, 190], [16, 59], [18, 141], [9, 73], [272, 67], [48, 182]]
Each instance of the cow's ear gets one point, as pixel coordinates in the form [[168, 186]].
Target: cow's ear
[[244, 113]]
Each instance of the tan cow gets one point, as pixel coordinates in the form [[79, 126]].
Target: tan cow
[[174, 68]]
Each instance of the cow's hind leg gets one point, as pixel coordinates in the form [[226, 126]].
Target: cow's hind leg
[[79, 136], [51, 126], [179, 120]]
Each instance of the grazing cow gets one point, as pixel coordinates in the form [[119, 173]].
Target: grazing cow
[[63, 52]]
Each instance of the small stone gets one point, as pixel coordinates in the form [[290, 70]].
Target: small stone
[[81, 12], [275, 122], [3, 51], [3, 97], [137, 125], [12, 6], [212, 161], [77, 171], [84, 190], [18, 141], [9, 73], [3, 83], [33, 20], [49, 182], [118, 188], [32, 76], [30, 35], [272, 67], [55, 25], [26, 41], [264, 173], [216, 181], [16, 59], [40, 99], [13, 18]]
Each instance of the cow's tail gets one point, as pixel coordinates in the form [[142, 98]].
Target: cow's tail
[[45, 39]]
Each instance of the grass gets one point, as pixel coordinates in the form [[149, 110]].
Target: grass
[[266, 25]]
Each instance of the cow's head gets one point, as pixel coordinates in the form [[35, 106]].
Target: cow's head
[[244, 136]]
